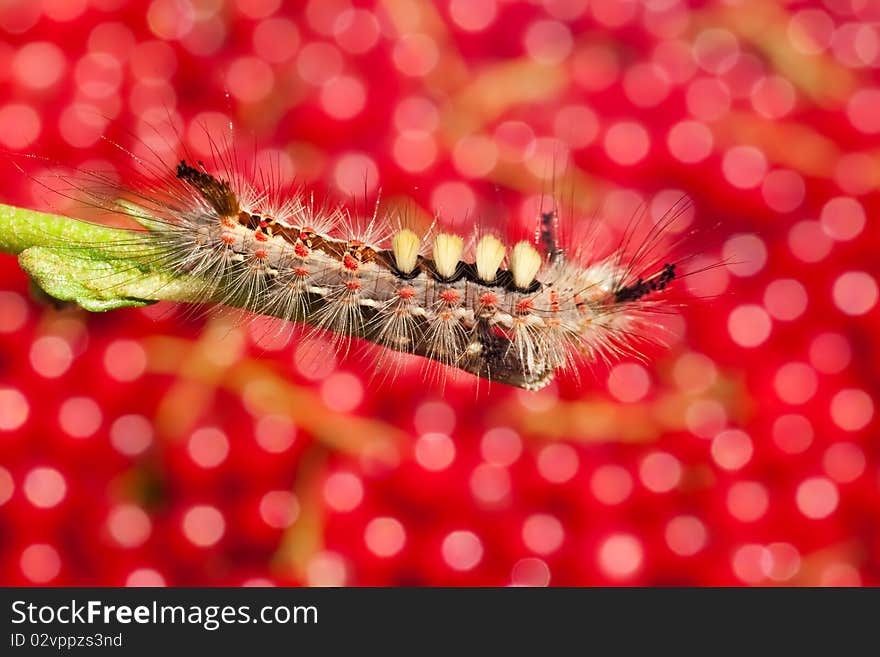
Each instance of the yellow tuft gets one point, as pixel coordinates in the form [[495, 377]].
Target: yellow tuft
[[447, 254], [405, 246], [490, 253], [525, 261]]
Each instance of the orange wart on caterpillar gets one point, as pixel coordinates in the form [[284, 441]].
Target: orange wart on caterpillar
[[516, 314]]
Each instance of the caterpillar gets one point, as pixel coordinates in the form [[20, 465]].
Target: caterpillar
[[516, 314]]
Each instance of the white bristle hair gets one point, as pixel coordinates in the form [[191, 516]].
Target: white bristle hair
[[405, 246], [525, 261], [489, 255], [448, 249]]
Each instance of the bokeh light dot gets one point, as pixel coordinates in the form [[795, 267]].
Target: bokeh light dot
[[548, 42], [145, 577], [20, 125], [855, 292], [275, 433], [783, 190], [862, 110], [13, 311], [660, 472], [434, 416], [40, 563], [356, 174], [356, 30], [257, 9], [249, 79], [745, 254], [852, 409], [170, 19], [327, 568], [462, 550], [752, 563], [830, 353], [620, 556], [453, 200], [50, 356], [501, 446], [129, 525], [38, 64], [844, 462], [434, 451], [646, 84], [343, 491], [748, 501], [490, 485], [342, 392], [205, 130], [530, 571], [473, 15], [576, 125], [343, 97], [7, 486], [543, 533], [415, 151], [627, 142], [64, 10], [558, 463], [125, 360], [131, 434], [14, 409], [843, 218], [744, 167], [817, 497], [785, 299], [795, 383], [416, 113], [810, 30], [614, 13], [415, 54], [611, 484], [629, 382], [749, 325], [808, 241], [318, 62], [686, 535], [276, 40], [80, 417], [792, 433], [98, 75], [786, 561], [705, 417], [716, 50], [203, 525], [732, 449], [385, 536], [279, 508], [690, 141], [208, 447], [44, 487], [773, 97], [475, 156]]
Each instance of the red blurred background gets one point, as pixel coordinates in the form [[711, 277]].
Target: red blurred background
[[147, 447]]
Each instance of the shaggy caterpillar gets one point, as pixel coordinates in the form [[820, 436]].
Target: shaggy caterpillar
[[511, 313]]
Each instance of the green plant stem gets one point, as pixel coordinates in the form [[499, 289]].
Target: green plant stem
[[95, 266]]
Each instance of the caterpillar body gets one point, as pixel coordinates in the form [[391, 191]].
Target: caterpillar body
[[511, 314]]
